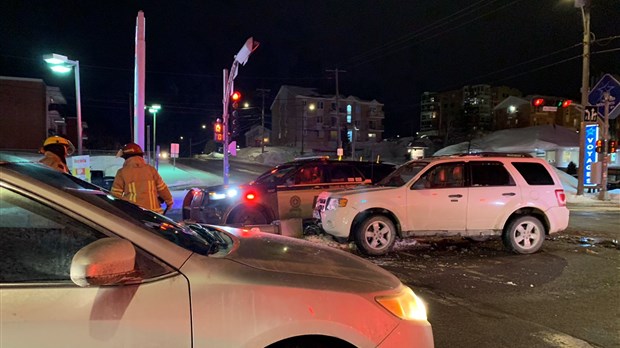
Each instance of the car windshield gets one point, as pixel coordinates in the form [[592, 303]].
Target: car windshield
[[403, 174], [193, 237], [275, 176]]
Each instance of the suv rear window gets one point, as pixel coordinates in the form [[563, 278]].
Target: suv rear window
[[534, 173]]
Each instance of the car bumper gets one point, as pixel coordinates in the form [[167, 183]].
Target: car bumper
[[558, 219], [410, 334], [337, 222]]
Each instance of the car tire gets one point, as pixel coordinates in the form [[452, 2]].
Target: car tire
[[247, 216], [524, 235], [375, 236]]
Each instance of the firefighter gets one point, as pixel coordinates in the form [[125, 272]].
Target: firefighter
[[55, 151], [139, 182]]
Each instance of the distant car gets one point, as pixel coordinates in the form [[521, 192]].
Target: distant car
[[286, 191], [514, 196], [80, 268]]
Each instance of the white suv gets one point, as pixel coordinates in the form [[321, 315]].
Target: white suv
[[475, 196]]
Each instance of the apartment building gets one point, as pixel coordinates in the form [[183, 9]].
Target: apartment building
[[306, 119]]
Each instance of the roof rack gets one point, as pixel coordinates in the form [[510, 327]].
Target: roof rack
[[489, 154], [307, 158], [499, 154]]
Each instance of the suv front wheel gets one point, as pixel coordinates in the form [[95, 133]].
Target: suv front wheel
[[524, 235], [375, 235]]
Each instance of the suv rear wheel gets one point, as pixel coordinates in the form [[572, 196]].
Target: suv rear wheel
[[247, 216], [375, 235], [524, 235]]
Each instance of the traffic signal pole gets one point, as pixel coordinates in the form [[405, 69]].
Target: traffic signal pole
[[240, 58], [227, 88]]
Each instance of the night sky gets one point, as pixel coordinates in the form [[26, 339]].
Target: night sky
[[392, 51]]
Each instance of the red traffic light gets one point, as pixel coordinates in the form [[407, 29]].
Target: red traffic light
[[236, 96], [599, 146], [566, 103], [538, 102]]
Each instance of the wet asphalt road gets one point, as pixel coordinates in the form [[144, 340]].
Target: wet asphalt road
[[479, 295]]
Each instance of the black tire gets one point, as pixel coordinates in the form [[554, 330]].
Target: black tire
[[375, 236], [248, 216], [524, 235]]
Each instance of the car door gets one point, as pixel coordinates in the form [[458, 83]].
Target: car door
[[42, 307], [437, 201], [297, 198], [492, 195]]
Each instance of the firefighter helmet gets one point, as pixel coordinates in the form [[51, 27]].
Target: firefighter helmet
[[130, 149], [60, 141]]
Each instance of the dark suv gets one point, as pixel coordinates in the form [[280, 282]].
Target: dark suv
[[286, 191]]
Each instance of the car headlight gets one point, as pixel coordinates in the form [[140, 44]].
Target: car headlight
[[405, 305], [230, 193], [334, 203]]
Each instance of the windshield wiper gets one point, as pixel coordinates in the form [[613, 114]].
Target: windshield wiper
[[213, 238]]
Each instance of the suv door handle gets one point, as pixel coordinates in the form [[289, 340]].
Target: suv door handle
[[455, 196], [508, 194]]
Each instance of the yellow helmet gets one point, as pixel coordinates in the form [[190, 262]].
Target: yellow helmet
[[61, 141]]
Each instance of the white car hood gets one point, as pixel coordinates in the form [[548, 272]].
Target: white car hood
[[274, 253]]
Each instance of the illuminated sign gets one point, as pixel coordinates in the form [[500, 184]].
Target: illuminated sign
[[591, 135]]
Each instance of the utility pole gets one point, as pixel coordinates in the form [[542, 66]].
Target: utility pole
[[585, 77], [262, 92], [336, 72]]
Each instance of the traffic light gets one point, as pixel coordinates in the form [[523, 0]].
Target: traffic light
[[233, 121], [538, 101], [218, 131], [566, 103], [236, 98], [599, 146], [612, 146]]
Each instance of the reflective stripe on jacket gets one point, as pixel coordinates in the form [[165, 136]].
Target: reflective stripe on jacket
[[141, 184]]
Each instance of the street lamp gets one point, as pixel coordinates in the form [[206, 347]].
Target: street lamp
[[154, 109], [62, 64]]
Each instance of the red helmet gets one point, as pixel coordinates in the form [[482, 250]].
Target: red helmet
[[130, 149]]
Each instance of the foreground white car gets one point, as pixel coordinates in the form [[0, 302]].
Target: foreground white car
[[514, 196], [82, 269]]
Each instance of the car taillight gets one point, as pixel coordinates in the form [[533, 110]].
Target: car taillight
[[561, 197], [250, 196]]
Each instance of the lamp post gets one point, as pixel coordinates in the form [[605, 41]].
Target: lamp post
[[62, 64], [153, 109]]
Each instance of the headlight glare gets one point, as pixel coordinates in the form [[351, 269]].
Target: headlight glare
[[216, 196], [334, 203], [405, 305]]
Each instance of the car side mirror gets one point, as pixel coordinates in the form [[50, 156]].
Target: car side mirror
[[103, 262]]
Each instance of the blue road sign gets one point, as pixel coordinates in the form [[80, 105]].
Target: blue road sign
[[596, 97]]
